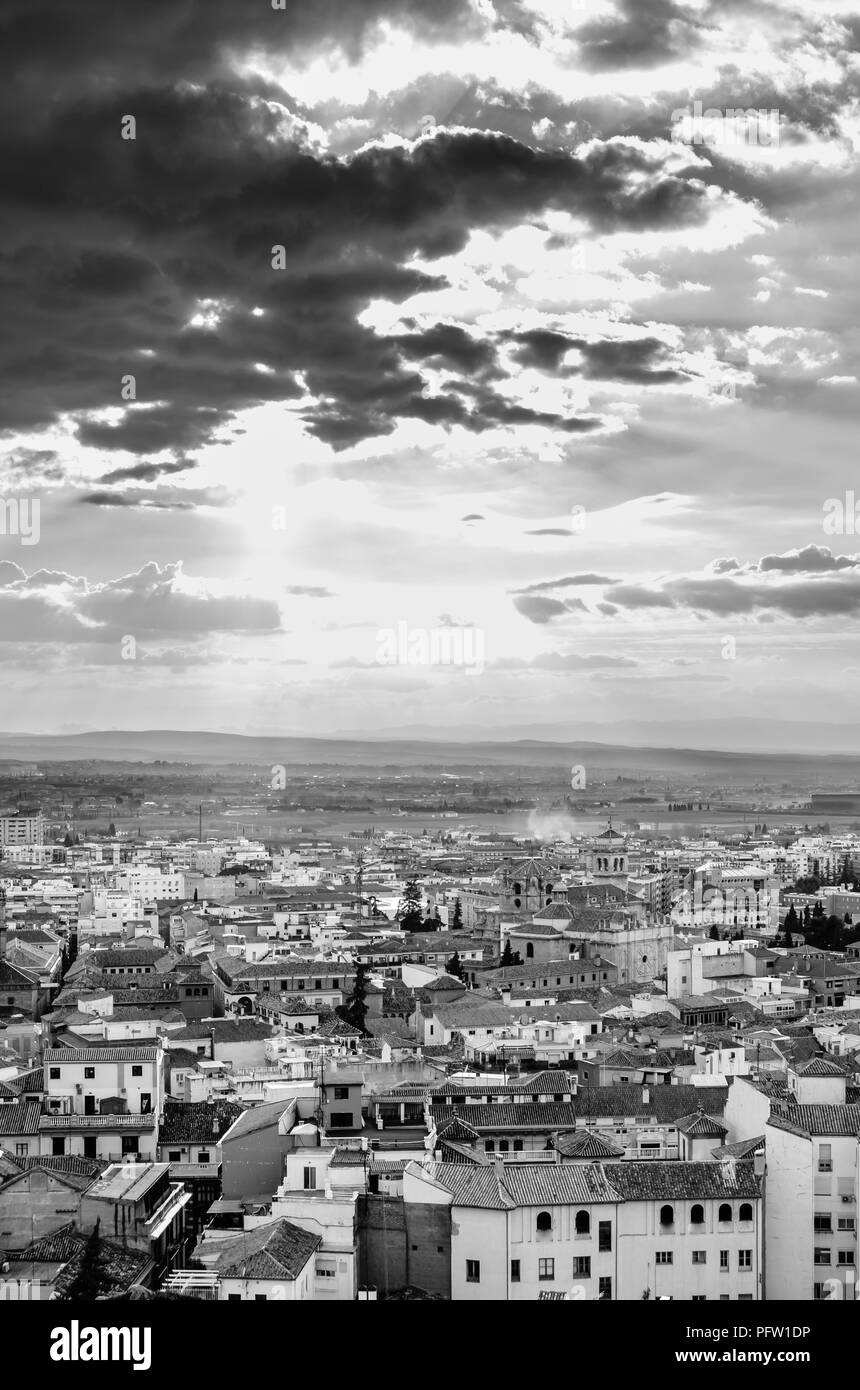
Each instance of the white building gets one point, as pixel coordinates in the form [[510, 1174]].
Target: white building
[[604, 1231]]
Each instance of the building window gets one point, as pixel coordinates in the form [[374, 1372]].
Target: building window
[[518, 1146], [663, 1257], [174, 1156], [582, 1223], [137, 1071], [129, 1145], [341, 1119], [489, 1145], [21, 1150], [234, 1298], [187, 993], [745, 1213], [604, 1288], [845, 1223], [582, 1266], [745, 1298], [724, 1261], [473, 1271], [667, 1216], [700, 1257], [825, 1158], [54, 1073], [326, 1269], [725, 1212], [515, 1271], [821, 1221], [89, 1073], [604, 1235], [821, 1255], [845, 1257], [546, 1269], [341, 1093], [202, 1156], [699, 1298], [697, 1214], [503, 1146], [744, 1259], [544, 1221], [58, 1146]]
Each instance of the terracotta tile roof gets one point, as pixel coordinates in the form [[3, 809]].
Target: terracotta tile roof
[[55, 1056], [701, 1126], [543, 1116], [583, 1143], [278, 1250], [819, 1120], [20, 1118], [678, 1181], [197, 1122], [743, 1150]]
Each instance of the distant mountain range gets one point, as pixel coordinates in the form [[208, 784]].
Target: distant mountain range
[[836, 766]]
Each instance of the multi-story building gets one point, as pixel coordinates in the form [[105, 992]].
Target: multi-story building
[[602, 1230], [809, 1134], [25, 828], [102, 1102]]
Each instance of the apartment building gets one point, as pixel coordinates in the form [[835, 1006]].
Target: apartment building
[[24, 828], [102, 1102], [598, 1231]]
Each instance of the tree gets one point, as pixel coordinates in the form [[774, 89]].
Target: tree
[[792, 921], [90, 1276], [454, 967], [354, 1011], [788, 941], [409, 911], [457, 922], [714, 933], [508, 956], [111, 830]]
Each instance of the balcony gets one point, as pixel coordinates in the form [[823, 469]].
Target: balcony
[[182, 1171]]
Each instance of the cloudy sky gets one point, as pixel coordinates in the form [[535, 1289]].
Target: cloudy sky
[[404, 316]]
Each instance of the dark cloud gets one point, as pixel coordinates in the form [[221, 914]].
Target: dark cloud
[[641, 34], [170, 499], [145, 472], [637, 360], [539, 609], [565, 583], [167, 248]]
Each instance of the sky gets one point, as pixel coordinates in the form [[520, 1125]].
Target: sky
[[371, 363]]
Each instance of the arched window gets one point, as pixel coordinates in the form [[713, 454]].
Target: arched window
[[745, 1213], [503, 1146], [583, 1223], [667, 1216], [697, 1214], [544, 1221], [518, 889], [725, 1212]]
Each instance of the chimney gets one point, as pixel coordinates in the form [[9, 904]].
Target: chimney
[[646, 1095]]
